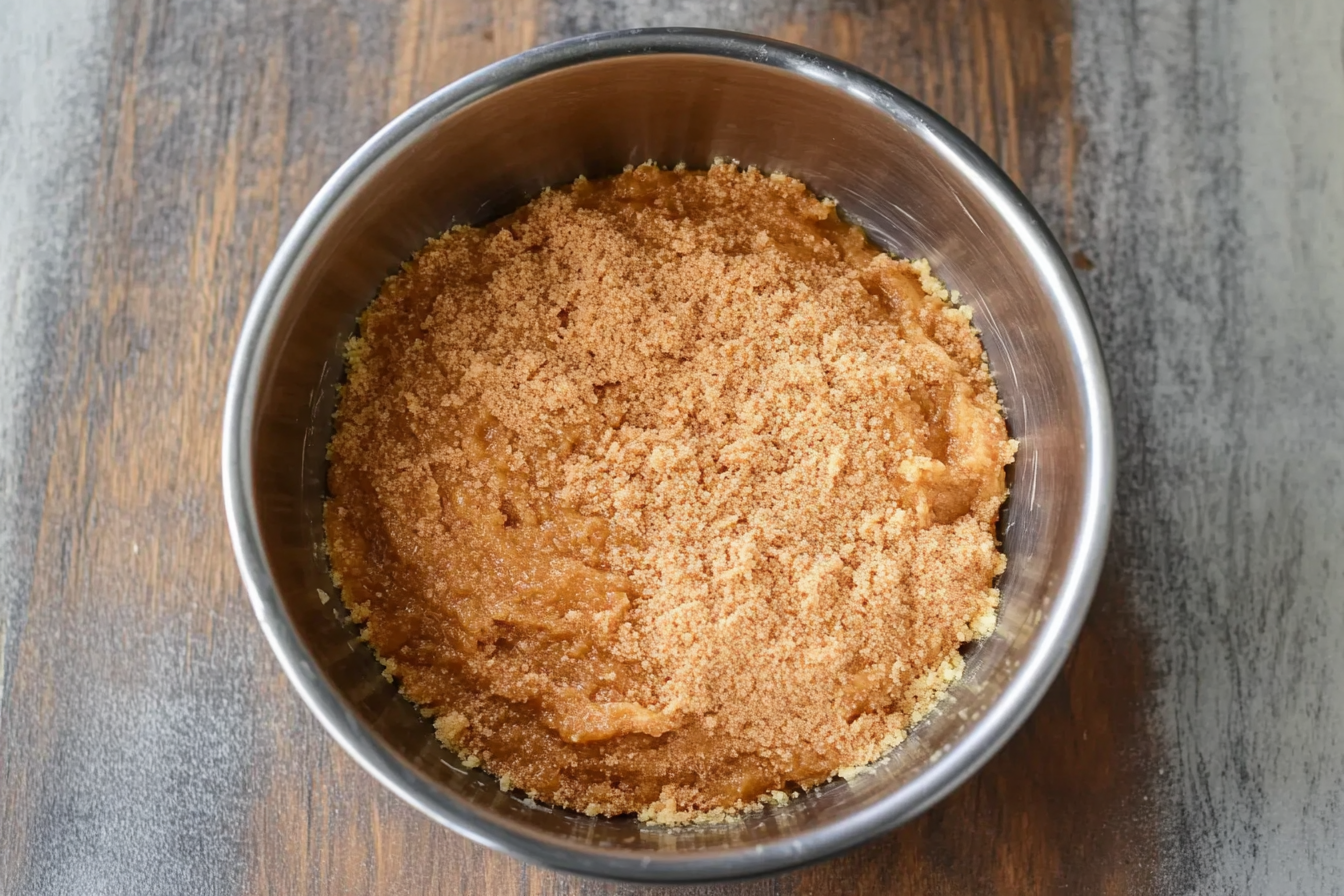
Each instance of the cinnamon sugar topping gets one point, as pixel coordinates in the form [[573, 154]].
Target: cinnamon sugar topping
[[669, 493]]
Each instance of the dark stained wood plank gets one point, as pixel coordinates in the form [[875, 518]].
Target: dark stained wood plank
[[215, 125]]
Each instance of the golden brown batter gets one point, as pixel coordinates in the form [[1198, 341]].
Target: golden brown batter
[[668, 493]]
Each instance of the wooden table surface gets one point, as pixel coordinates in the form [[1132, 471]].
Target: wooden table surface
[[1188, 153]]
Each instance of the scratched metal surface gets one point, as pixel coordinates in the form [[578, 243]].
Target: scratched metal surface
[[1190, 154]]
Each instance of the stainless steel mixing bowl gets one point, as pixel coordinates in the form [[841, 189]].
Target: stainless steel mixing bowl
[[591, 105]]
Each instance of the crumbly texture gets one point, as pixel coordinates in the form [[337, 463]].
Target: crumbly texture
[[669, 493]]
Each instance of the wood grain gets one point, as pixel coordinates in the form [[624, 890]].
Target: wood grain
[[186, 764], [1211, 199], [152, 153]]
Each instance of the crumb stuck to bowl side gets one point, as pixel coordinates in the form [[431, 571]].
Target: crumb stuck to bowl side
[[669, 493]]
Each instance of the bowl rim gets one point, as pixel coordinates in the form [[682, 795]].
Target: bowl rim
[[959, 760]]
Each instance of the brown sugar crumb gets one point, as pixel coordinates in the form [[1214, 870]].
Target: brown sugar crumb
[[669, 493]]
